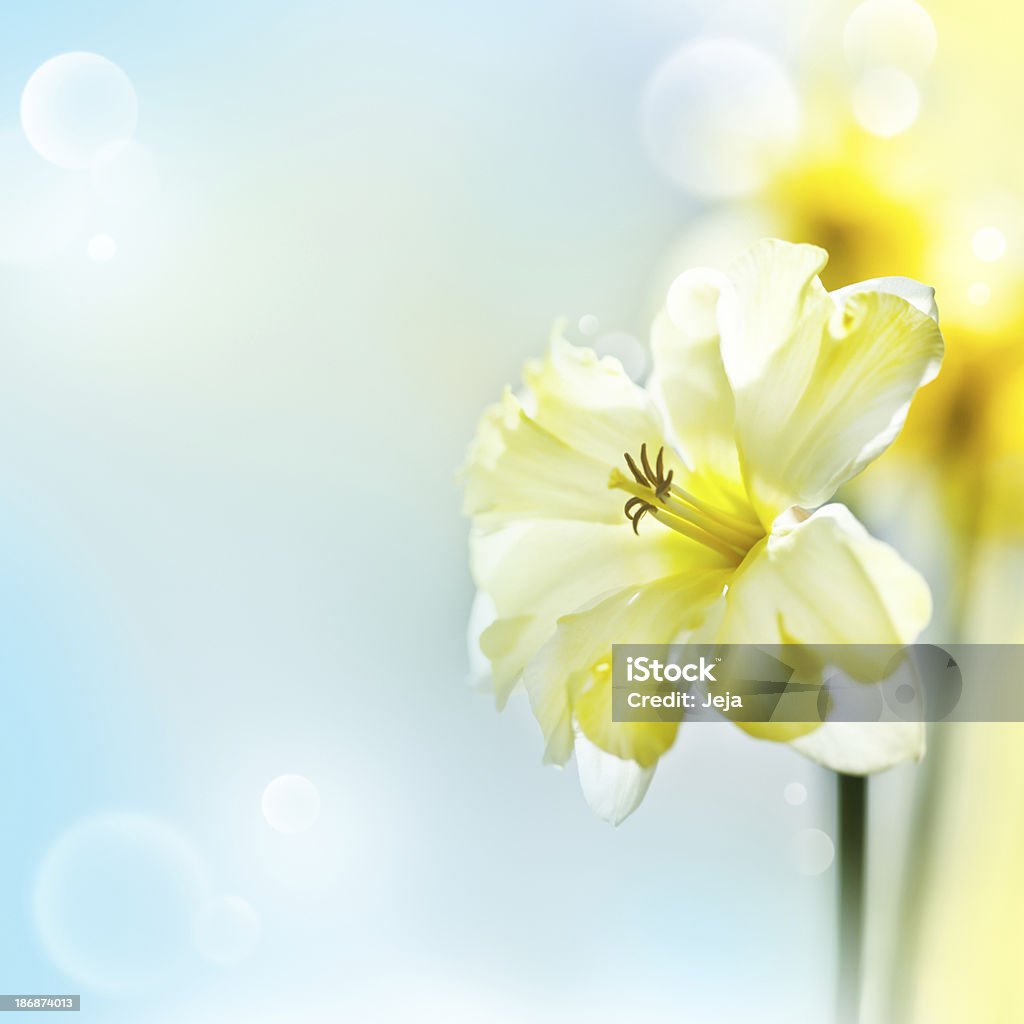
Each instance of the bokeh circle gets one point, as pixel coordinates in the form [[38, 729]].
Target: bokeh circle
[[890, 33], [813, 852], [720, 116], [886, 102], [795, 794], [76, 104], [291, 804], [116, 900]]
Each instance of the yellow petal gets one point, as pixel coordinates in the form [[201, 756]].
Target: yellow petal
[[508, 644], [827, 581], [535, 572], [571, 676], [822, 383]]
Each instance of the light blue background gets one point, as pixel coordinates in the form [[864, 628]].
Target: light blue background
[[230, 542]]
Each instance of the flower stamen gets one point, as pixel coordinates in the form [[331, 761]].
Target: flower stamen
[[636, 509], [654, 492]]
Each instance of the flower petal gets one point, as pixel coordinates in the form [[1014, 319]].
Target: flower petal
[[822, 383], [571, 676], [920, 296], [549, 534], [516, 469], [612, 787], [826, 581], [689, 379], [591, 404], [549, 455], [536, 572], [777, 306], [861, 748]]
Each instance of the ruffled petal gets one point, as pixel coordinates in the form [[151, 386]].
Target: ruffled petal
[[570, 679], [590, 403], [516, 469], [549, 454], [822, 383]]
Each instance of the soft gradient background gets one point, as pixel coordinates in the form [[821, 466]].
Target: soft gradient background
[[230, 542]]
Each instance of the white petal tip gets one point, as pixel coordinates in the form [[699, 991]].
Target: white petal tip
[[863, 748], [612, 787]]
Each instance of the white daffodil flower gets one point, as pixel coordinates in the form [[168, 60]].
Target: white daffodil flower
[[767, 394]]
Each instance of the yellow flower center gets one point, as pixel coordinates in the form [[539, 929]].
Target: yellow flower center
[[654, 492]]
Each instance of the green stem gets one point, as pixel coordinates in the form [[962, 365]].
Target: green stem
[[852, 856]]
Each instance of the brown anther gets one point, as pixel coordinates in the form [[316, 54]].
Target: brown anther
[[635, 470], [664, 487], [651, 477], [655, 478], [636, 509]]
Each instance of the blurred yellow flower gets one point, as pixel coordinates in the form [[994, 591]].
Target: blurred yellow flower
[[942, 202], [875, 206], [768, 393]]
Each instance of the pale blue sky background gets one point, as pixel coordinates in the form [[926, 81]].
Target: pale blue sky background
[[230, 544]]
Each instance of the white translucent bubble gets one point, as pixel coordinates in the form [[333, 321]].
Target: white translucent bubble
[[228, 930], [813, 851], [124, 174], [978, 293], [116, 901], [890, 33], [795, 794], [886, 101], [589, 325], [720, 116], [42, 210], [76, 104], [291, 804], [101, 248], [988, 244], [629, 351]]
